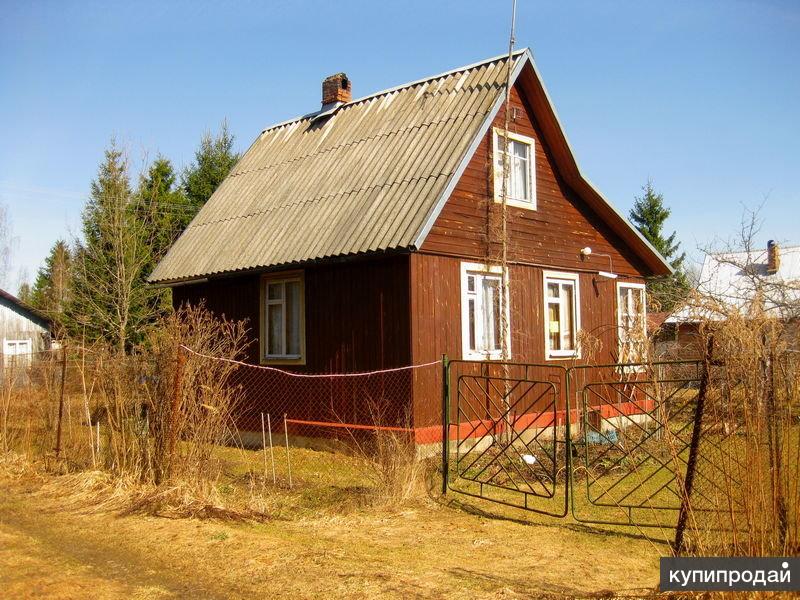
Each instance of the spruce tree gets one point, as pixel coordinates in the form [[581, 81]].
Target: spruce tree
[[51, 289], [109, 299], [649, 215], [162, 205], [24, 293], [214, 159]]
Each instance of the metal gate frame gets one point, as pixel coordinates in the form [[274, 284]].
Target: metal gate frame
[[554, 498], [572, 380]]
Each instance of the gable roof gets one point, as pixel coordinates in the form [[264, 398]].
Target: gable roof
[[371, 177], [736, 279], [31, 313]]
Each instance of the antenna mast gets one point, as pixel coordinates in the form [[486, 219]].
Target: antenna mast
[[505, 308]]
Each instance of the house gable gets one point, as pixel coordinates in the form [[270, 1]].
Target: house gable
[[551, 235]]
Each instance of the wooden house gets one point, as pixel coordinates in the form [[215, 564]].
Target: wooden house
[[366, 235]]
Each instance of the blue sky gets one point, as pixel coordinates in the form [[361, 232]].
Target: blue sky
[[702, 96]]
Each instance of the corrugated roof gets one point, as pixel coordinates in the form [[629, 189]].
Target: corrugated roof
[[362, 180], [371, 177], [33, 313]]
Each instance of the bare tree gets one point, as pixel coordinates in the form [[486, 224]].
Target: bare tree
[[7, 245]]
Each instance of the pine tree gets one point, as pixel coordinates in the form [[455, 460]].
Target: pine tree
[[649, 215], [51, 289], [109, 299], [213, 161]]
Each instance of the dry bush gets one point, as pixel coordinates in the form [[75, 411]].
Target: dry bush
[[388, 457], [753, 403], [751, 335], [153, 417], [191, 403]]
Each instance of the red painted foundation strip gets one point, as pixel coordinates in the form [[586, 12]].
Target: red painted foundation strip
[[478, 429], [481, 428]]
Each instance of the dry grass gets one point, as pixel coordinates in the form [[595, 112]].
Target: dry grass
[[311, 548]]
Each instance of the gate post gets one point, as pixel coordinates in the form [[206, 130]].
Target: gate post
[[445, 422], [569, 502], [691, 463]]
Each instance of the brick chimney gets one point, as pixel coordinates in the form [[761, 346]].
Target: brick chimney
[[336, 88], [773, 257]]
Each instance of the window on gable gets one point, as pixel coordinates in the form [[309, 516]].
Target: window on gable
[[562, 318], [632, 322], [283, 319], [481, 312], [520, 175]]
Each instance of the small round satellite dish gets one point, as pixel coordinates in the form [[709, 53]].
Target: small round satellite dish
[[529, 459]]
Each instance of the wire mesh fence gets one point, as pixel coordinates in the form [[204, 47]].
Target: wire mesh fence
[[325, 410], [145, 413], [625, 433]]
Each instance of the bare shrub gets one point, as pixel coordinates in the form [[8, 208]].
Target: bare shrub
[[152, 417], [751, 428], [388, 457]]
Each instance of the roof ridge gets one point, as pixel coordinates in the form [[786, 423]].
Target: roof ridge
[[402, 86], [753, 250]]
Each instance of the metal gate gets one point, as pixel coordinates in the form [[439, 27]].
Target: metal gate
[[612, 444], [507, 433]]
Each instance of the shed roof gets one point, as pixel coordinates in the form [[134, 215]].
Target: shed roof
[[33, 314], [370, 177]]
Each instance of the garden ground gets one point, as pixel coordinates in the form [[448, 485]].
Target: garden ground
[[321, 541]]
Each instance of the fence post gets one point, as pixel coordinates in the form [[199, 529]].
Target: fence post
[[445, 422], [177, 392], [691, 464], [61, 399], [774, 432]]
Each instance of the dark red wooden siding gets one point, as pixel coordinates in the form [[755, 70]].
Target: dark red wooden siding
[[552, 235], [549, 238], [357, 315]]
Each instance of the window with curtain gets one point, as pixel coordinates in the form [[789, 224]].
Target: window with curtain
[[520, 176], [481, 312], [283, 316], [632, 322], [561, 315]]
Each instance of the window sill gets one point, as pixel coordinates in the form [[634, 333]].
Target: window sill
[[527, 205], [283, 360], [493, 356]]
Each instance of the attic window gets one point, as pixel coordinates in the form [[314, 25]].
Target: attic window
[[521, 164]]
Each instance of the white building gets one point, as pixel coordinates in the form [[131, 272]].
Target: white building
[[24, 332]]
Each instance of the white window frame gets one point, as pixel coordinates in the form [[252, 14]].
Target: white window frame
[[10, 358], [7, 343], [558, 277], [641, 289], [282, 359], [481, 270], [498, 190]]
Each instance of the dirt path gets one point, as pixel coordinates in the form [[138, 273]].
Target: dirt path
[[430, 551]]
